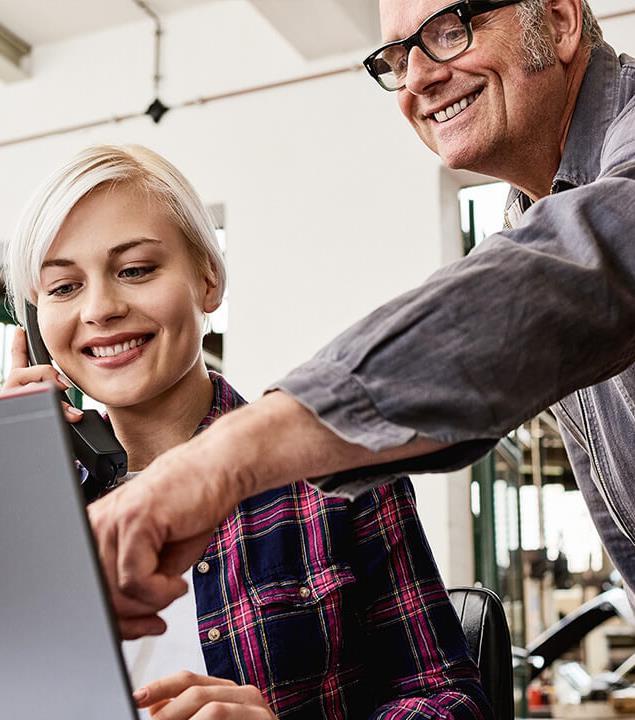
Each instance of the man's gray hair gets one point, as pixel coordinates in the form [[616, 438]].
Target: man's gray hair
[[537, 46]]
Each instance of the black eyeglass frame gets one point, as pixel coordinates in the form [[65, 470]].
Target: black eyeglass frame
[[465, 10]]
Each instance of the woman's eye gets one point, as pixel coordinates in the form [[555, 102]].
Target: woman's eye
[[61, 290], [133, 273]]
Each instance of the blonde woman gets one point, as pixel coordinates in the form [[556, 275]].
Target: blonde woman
[[304, 606]]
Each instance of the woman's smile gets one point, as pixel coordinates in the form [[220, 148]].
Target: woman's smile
[[117, 351]]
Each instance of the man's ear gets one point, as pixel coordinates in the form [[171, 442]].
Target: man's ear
[[564, 20]]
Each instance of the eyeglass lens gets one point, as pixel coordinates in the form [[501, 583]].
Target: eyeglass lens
[[444, 37]]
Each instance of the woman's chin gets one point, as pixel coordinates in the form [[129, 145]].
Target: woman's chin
[[124, 404], [119, 400]]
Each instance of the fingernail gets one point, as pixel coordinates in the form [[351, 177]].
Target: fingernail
[[74, 411], [64, 381], [141, 694]]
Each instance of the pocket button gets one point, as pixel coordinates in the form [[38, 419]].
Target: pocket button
[[203, 567], [213, 634], [304, 592]]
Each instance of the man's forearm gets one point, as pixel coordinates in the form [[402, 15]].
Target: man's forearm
[[276, 441], [477, 349]]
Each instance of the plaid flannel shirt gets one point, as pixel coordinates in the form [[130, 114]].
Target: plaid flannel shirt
[[332, 609]]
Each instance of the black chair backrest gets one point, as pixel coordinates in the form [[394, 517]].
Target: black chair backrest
[[485, 626]]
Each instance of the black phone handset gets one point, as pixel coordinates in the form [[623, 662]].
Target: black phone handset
[[93, 441]]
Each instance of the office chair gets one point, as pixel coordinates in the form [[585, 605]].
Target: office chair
[[485, 626]]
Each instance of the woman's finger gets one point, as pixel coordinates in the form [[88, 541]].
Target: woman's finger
[[19, 352], [37, 373], [154, 709], [207, 701], [232, 711], [173, 685], [72, 414], [21, 377]]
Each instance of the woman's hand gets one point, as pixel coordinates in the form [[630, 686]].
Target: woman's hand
[[22, 375], [187, 696]]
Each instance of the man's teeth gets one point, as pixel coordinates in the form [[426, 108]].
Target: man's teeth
[[453, 110], [112, 350]]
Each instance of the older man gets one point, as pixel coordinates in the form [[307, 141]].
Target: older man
[[524, 91]]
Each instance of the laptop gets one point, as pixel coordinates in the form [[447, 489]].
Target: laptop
[[60, 655]]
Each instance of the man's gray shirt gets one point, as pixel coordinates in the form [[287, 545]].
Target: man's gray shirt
[[532, 315]]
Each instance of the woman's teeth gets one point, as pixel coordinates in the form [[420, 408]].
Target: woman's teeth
[[112, 350], [458, 107]]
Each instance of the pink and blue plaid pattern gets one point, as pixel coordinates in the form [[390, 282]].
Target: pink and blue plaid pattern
[[333, 609]]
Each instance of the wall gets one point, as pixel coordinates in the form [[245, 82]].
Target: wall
[[618, 32], [318, 230], [332, 205]]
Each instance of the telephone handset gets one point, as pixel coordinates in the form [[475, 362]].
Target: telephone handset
[[93, 441]]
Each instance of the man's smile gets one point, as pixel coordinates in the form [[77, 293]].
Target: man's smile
[[451, 110]]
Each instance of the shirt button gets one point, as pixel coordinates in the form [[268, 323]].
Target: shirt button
[[203, 567], [213, 634], [304, 592]]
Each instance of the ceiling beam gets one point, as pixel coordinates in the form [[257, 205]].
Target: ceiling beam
[[12, 51], [330, 27]]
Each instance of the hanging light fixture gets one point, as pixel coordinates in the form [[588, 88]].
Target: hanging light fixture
[[157, 108]]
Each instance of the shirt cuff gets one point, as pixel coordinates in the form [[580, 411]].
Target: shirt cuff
[[344, 407], [340, 402]]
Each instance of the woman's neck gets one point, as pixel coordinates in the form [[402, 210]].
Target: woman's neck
[[149, 429]]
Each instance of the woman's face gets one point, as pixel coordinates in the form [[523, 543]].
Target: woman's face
[[121, 304]]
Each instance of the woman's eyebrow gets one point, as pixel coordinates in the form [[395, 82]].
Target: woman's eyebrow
[[113, 251], [122, 247], [57, 262]]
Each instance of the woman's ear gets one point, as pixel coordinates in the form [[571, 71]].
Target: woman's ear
[[211, 299], [564, 20]]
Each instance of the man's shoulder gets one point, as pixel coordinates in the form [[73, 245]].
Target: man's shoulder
[[627, 63], [626, 83], [618, 150]]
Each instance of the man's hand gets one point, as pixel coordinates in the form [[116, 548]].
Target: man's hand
[[186, 695], [150, 530], [154, 528]]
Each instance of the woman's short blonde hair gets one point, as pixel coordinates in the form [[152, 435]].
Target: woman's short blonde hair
[[97, 166]]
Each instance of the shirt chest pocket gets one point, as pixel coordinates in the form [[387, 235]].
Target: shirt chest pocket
[[306, 623]]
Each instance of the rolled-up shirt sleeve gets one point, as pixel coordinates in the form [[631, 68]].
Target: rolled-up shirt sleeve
[[531, 315]]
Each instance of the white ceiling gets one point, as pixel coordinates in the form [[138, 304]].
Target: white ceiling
[[44, 21]]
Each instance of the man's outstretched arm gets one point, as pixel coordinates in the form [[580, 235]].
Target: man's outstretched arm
[[151, 530], [532, 315]]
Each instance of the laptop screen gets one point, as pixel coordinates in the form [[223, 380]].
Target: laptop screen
[[60, 655]]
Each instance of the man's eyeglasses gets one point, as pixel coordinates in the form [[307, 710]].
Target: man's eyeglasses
[[442, 37]]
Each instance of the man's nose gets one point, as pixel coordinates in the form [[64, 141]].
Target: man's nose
[[102, 304], [422, 72]]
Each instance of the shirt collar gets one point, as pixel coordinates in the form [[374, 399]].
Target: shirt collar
[[596, 108], [580, 162], [224, 399]]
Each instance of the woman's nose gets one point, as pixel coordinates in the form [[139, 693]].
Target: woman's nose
[[102, 304]]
